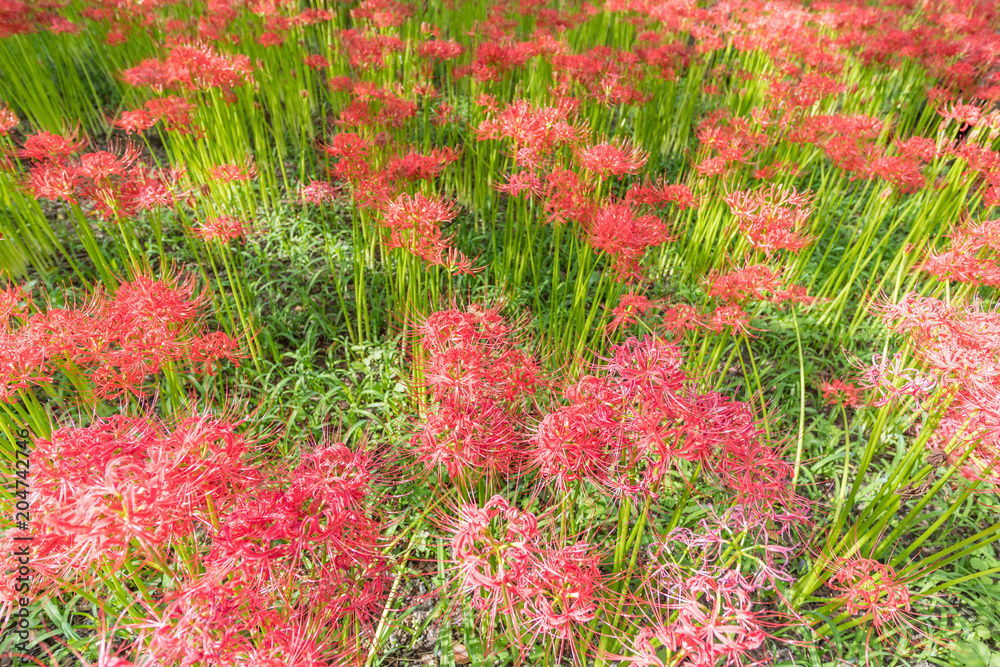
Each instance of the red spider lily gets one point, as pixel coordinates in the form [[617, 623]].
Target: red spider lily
[[334, 474], [760, 478], [970, 258], [872, 590], [318, 192], [562, 590], [413, 224], [521, 181], [901, 171], [660, 194], [468, 439], [457, 262], [541, 130], [353, 151], [100, 166], [440, 49], [891, 380], [53, 180], [174, 110], [680, 318], [200, 624], [382, 13], [630, 305], [647, 367], [270, 39], [965, 115], [49, 146], [954, 355], [192, 67], [729, 319], [415, 167], [365, 51], [237, 171], [127, 479], [316, 62], [837, 392], [494, 546], [476, 325], [575, 442], [715, 620], [116, 343], [771, 218], [221, 228], [8, 121], [157, 188], [616, 158], [567, 197], [444, 115], [753, 281], [715, 166], [480, 382], [618, 231]]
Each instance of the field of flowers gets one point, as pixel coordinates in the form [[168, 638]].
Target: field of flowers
[[495, 332]]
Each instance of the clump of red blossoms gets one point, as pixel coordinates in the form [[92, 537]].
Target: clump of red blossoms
[[771, 218], [479, 380], [116, 342], [872, 590], [715, 620]]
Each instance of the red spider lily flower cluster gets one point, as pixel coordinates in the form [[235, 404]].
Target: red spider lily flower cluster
[[318, 192], [729, 141], [409, 221], [505, 567], [972, 257], [116, 342], [771, 218], [236, 171], [753, 281], [221, 228], [189, 68], [872, 590], [479, 380], [630, 305], [254, 538], [955, 351], [838, 392], [615, 158], [619, 231], [535, 133], [715, 623], [117, 185], [414, 223]]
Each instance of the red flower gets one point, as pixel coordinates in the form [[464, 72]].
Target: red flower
[[771, 218], [49, 146], [618, 231], [8, 121], [617, 158], [871, 589], [562, 590], [221, 228], [494, 547], [837, 392], [318, 192], [715, 620], [629, 306]]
